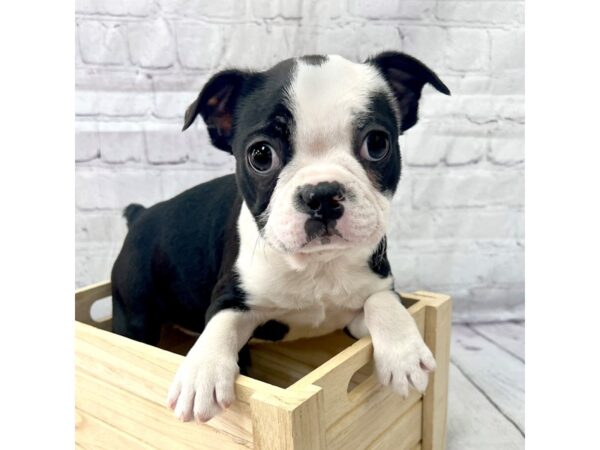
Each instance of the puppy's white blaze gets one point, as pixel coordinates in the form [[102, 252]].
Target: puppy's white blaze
[[325, 100]]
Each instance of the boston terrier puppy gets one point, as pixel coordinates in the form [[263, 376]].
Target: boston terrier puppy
[[294, 243]]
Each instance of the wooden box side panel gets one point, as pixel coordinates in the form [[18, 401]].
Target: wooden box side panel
[[123, 383]]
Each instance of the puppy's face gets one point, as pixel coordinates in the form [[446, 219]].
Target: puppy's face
[[316, 144]]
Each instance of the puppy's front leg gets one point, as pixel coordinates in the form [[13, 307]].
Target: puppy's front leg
[[204, 383], [401, 357]]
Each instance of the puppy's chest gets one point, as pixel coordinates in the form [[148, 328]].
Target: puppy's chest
[[314, 301]]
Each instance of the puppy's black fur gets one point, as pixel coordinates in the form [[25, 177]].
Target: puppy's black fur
[[177, 262], [172, 258]]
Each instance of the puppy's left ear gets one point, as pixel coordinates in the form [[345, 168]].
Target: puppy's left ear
[[406, 76], [216, 104]]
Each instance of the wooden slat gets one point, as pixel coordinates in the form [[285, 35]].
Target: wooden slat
[[92, 433], [371, 417], [500, 375], [145, 420], [154, 356], [438, 322], [132, 370], [473, 422], [403, 434], [508, 335]]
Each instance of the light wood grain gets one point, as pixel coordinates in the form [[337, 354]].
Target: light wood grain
[[93, 433], [438, 322], [500, 375], [279, 423], [473, 422], [403, 433], [332, 398]]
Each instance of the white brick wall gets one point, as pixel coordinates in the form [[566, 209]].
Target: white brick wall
[[458, 223]]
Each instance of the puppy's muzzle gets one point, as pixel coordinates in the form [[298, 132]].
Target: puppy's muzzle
[[323, 203]]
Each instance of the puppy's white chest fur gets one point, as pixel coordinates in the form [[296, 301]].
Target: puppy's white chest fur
[[312, 295]]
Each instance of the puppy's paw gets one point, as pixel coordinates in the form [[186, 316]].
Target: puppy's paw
[[401, 365], [203, 387]]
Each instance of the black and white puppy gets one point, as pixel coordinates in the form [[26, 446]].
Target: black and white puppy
[[293, 245]]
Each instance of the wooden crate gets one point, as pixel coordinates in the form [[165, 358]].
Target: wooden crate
[[317, 393]]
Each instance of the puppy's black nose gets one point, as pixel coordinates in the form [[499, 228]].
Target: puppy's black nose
[[322, 201]]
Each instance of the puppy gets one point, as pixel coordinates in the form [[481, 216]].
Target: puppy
[[293, 245]]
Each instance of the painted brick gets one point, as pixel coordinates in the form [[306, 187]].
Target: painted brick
[[115, 104], [166, 144], [374, 39], [101, 42], [151, 44], [478, 189], [343, 41], [292, 9], [433, 226], [121, 142], [321, 11], [265, 9], [199, 45], [275, 45], [172, 104], [467, 50], [227, 9], [507, 151], [107, 189], [93, 265], [106, 227], [481, 12], [464, 150], [508, 50], [136, 8], [391, 9], [403, 268], [508, 82], [510, 269], [426, 43], [177, 181], [203, 152], [454, 268], [87, 142], [423, 149]]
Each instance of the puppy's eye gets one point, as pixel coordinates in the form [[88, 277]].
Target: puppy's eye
[[375, 146], [262, 158]]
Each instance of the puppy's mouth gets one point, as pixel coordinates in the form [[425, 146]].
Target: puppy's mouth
[[320, 234]]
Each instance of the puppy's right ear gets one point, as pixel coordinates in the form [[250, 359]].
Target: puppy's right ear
[[216, 104]]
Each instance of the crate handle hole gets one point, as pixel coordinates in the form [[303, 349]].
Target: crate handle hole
[[101, 310], [360, 376]]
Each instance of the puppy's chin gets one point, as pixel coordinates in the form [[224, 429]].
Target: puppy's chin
[[324, 250]]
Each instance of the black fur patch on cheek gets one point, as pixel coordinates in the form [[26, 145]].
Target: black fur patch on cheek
[[379, 262], [272, 330]]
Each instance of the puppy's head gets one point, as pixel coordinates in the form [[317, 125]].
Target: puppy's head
[[316, 144]]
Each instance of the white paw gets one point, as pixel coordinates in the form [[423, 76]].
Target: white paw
[[401, 365], [203, 387]]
